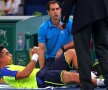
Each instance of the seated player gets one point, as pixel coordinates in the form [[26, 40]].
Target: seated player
[[58, 74]]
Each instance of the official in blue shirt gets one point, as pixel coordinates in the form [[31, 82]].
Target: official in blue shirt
[[51, 39]]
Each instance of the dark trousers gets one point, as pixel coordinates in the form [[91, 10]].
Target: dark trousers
[[99, 32], [49, 61]]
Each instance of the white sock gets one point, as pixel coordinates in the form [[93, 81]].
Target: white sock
[[100, 82], [93, 75]]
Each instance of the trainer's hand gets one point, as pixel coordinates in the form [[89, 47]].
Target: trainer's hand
[[61, 26]]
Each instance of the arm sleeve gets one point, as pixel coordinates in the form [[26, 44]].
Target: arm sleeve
[[7, 72], [41, 35], [66, 10]]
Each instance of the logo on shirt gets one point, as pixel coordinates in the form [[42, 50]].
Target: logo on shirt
[[62, 32]]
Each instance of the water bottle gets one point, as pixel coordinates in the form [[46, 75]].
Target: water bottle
[[20, 41]]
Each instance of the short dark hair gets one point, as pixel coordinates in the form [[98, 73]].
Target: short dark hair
[[1, 48], [51, 2]]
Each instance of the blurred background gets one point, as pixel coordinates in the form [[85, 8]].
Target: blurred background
[[19, 23], [24, 7]]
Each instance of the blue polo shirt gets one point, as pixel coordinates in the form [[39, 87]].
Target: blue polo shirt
[[53, 37]]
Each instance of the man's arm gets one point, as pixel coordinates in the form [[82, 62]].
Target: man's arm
[[64, 48], [70, 45], [2, 81], [41, 54], [29, 68]]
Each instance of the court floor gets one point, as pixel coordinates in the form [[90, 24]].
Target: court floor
[[7, 87]]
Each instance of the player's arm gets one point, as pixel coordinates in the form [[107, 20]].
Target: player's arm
[[2, 81], [29, 68], [27, 71]]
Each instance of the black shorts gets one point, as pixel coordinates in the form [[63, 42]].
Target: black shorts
[[51, 76], [49, 62], [60, 64], [46, 77]]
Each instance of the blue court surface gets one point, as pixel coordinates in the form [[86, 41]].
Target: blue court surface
[[7, 87]]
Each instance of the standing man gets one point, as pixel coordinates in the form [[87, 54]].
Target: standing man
[[90, 17], [52, 40]]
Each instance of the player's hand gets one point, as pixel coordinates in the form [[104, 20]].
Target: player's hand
[[35, 50]]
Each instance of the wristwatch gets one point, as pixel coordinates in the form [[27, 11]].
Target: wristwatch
[[63, 49]]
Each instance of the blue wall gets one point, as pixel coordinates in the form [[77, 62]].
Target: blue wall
[[30, 9], [31, 6]]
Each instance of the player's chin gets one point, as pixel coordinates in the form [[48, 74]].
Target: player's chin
[[11, 61]]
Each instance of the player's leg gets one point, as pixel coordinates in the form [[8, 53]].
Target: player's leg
[[70, 77], [71, 58]]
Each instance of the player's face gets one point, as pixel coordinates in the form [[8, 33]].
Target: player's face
[[54, 11], [6, 57]]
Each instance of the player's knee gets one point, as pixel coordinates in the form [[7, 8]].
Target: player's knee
[[69, 77]]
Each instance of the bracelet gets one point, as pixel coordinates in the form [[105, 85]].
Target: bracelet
[[35, 57]]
